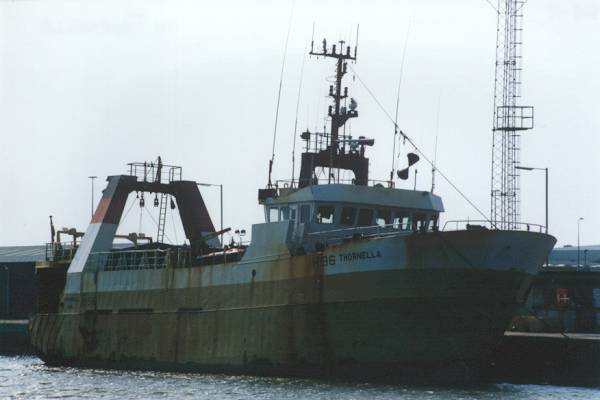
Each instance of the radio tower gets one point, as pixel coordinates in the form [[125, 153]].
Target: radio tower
[[509, 118]]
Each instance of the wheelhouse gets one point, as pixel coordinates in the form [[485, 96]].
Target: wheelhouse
[[329, 207]]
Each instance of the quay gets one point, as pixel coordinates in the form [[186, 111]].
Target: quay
[[14, 337], [554, 358]]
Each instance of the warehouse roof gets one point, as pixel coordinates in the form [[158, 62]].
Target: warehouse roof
[[31, 254], [11, 254]]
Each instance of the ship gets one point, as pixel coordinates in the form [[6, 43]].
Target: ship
[[353, 278]]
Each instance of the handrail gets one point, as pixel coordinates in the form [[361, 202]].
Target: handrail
[[356, 228], [369, 231], [522, 226], [288, 183], [150, 171], [60, 251], [138, 259], [116, 251], [396, 228]]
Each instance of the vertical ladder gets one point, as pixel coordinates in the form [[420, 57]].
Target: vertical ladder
[[162, 217]]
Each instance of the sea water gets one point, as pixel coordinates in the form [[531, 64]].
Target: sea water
[[26, 377]]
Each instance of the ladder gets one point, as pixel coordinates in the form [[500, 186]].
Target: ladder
[[162, 218]]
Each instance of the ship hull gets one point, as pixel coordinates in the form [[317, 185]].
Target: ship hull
[[384, 338], [348, 312]]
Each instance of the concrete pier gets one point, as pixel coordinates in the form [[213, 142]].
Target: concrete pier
[[14, 336], [557, 358]]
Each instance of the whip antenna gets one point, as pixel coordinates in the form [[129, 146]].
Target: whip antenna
[[437, 131], [312, 38], [296, 121], [391, 183], [269, 185], [356, 43]]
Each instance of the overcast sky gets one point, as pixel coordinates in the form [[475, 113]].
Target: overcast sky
[[86, 87]]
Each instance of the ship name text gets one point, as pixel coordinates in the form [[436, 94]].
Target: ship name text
[[333, 259]]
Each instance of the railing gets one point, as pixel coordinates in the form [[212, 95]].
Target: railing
[[138, 259], [514, 118], [224, 256], [484, 224], [395, 229], [60, 251], [287, 183], [368, 231], [154, 172]]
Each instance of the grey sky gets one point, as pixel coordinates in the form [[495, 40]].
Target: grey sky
[[86, 87]]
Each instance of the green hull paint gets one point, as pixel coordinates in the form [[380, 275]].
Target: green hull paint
[[406, 319]]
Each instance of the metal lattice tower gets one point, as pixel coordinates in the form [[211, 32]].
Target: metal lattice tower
[[509, 118]]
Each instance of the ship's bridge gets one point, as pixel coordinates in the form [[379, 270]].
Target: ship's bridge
[[339, 206]]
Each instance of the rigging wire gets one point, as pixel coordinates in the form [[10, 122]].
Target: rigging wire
[[279, 94], [295, 138], [407, 138], [397, 106], [493, 6], [522, 4], [127, 212], [156, 222]]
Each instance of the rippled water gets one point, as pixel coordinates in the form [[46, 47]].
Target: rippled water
[[29, 378]]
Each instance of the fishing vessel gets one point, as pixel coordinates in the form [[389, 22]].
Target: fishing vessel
[[355, 278]]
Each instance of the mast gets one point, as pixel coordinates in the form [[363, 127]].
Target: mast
[[509, 118], [338, 116], [331, 149]]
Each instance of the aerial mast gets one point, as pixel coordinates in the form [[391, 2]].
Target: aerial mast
[[335, 150], [509, 118], [335, 112]]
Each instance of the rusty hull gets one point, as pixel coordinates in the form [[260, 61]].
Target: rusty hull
[[381, 306]]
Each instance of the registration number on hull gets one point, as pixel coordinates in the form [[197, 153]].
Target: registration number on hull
[[333, 259]]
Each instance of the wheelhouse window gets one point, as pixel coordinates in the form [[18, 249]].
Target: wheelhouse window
[[384, 217], [325, 214], [402, 221], [419, 222], [273, 214], [293, 213], [434, 222], [305, 213], [348, 216], [365, 217], [284, 213]]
